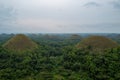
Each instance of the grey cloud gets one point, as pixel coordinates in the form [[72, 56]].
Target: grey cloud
[[92, 4], [6, 13], [7, 16], [90, 28], [115, 4], [76, 16]]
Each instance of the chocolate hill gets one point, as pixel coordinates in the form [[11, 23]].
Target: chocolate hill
[[75, 37], [20, 42], [97, 43]]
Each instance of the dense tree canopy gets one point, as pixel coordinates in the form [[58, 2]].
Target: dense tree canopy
[[54, 60]]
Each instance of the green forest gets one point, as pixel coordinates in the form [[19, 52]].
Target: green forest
[[59, 57]]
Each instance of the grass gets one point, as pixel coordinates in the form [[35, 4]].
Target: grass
[[20, 42], [97, 43]]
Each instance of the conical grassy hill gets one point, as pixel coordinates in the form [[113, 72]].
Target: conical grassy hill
[[75, 37], [20, 43], [97, 43]]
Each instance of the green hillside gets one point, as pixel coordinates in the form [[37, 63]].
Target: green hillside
[[20, 42]]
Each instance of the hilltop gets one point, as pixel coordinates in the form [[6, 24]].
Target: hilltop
[[97, 43], [20, 42]]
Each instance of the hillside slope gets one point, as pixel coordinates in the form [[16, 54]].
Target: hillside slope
[[97, 42], [20, 42]]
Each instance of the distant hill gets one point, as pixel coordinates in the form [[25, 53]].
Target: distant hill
[[75, 37], [51, 37], [97, 43], [20, 42]]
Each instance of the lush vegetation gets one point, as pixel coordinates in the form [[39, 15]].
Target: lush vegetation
[[59, 60]]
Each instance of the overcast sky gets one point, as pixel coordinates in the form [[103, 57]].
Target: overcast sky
[[59, 16]]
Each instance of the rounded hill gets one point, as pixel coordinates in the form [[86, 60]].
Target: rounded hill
[[75, 37], [97, 43], [20, 42]]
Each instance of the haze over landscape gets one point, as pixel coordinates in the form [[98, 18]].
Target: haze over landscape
[[59, 16]]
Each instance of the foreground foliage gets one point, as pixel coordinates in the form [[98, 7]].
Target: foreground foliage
[[68, 63], [57, 58]]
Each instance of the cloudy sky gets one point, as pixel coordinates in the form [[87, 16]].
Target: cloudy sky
[[59, 16]]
